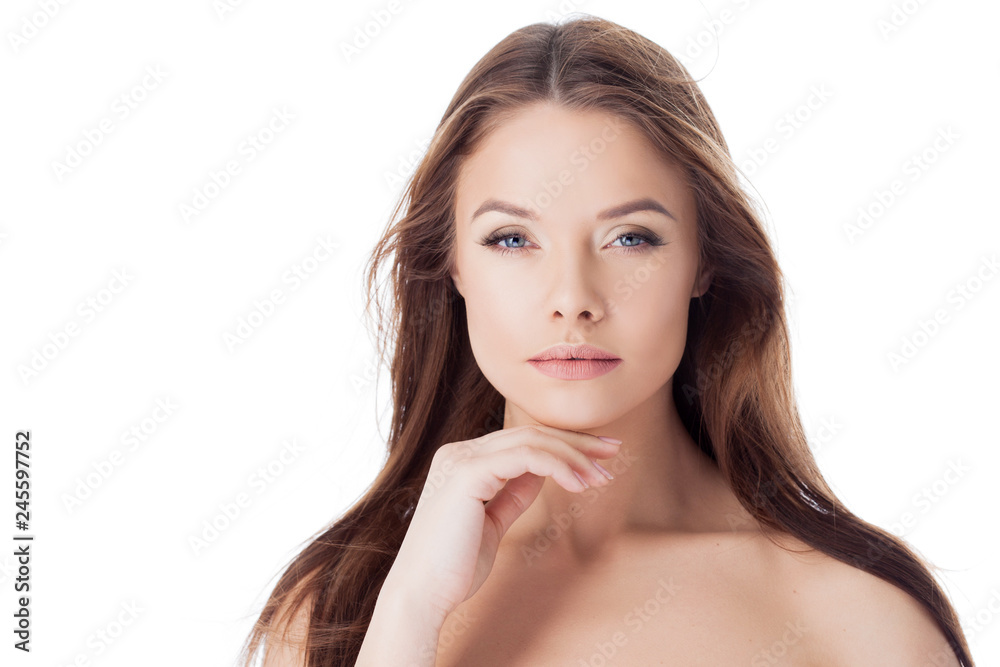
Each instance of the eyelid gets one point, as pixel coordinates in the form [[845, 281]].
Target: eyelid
[[514, 230], [650, 239]]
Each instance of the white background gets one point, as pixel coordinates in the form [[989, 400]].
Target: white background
[[334, 172]]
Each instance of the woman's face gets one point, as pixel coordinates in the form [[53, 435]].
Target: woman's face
[[572, 275]]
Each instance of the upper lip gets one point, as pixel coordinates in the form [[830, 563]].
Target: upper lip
[[564, 351]]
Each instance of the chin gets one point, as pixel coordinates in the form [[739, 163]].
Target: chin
[[578, 416]]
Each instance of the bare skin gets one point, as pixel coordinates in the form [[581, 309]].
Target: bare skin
[[661, 565], [711, 598], [572, 281], [693, 599], [570, 278], [572, 566]]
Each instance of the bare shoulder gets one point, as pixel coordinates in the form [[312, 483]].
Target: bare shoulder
[[853, 617], [285, 644]]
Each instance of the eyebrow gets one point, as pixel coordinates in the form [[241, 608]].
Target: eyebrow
[[643, 204]]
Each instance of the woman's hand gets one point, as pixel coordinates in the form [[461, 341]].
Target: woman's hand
[[451, 543]]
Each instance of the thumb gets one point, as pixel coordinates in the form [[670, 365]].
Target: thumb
[[512, 500]]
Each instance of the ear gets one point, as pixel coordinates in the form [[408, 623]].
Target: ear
[[456, 281], [703, 282]]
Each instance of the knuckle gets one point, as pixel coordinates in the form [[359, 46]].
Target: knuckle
[[533, 430], [463, 450], [441, 455], [460, 466], [525, 451]]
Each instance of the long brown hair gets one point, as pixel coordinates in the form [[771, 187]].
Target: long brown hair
[[732, 388]]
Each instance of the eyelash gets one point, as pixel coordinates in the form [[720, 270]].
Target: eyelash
[[502, 234]]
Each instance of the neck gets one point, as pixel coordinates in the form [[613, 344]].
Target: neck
[[663, 483]]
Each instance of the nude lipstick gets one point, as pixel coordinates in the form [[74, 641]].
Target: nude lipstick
[[574, 362]]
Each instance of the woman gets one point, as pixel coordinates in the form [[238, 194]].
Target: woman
[[583, 291]]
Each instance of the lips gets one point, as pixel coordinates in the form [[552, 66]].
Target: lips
[[574, 352], [574, 362], [575, 369]]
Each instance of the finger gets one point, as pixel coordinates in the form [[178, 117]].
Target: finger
[[490, 472], [512, 500], [590, 445], [555, 442]]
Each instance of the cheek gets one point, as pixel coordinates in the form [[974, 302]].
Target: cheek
[[497, 307], [654, 309], [664, 278], [493, 298]]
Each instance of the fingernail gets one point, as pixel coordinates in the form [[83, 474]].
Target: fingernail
[[613, 441], [601, 468], [582, 480]]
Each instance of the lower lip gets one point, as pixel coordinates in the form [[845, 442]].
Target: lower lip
[[575, 369]]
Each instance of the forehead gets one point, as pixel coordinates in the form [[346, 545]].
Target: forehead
[[559, 162]]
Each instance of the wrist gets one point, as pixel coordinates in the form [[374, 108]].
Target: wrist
[[402, 603], [404, 630]]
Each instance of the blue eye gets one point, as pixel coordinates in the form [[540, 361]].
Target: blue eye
[[635, 235], [491, 241]]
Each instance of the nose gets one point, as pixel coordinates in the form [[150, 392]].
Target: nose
[[575, 293]]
